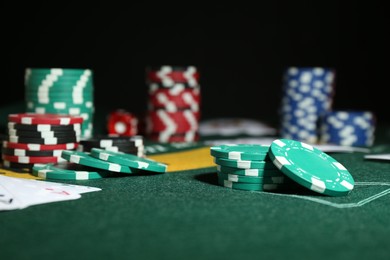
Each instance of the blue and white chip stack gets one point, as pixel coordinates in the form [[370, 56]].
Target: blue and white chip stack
[[307, 94], [61, 91], [348, 128]]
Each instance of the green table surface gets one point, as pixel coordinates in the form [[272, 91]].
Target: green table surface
[[186, 215]]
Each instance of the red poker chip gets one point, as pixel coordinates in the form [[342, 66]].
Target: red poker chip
[[50, 119], [122, 123], [190, 74], [191, 136], [172, 122], [185, 99], [40, 147], [32, 159]]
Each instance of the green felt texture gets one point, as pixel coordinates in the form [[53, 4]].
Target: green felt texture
[[188, 216]]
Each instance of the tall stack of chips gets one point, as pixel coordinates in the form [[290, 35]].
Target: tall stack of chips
[[307, 94], [173, 104], [61, 91]]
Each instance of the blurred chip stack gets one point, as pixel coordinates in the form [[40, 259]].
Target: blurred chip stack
[[39, 138], [348, 128], [173, 104], [307, 95], [61, 91]]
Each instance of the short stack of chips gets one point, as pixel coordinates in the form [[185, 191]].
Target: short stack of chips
[[247, 167], [173, 104], [123, 123], [348, 128], [282, 165], [61, 91], [307, 95], [97, 164], [39, 138], [130, 145]]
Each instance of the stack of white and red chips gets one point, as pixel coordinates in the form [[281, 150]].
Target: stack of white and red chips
[[39, 138], [173, 104]]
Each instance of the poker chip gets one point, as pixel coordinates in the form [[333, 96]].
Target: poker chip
[[44, 127], [23, 152], [31, 159], [43, 134], [123, 123], [68, 171], [250, 172], [311, 168], [87, 160], [252, 186], [240, 164], [256, 180], [51, 119], [45, 141], [40, 147], [166, 137], [17, 166], [132, 161], [348, 128], [240, 151]]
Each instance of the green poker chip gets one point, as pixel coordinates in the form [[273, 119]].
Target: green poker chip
[[311, 168], [67, 171], [59, 71], [244, 164], [251, 186], [87, 160], [254, 152], [256, 180], [250, 172], [129, 160]]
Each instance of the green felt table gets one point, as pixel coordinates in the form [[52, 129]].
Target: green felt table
[[186, 215]]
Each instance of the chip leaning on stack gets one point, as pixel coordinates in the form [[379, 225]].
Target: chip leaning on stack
[[173, 104], [282, 165]]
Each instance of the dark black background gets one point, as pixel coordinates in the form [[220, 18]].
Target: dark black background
[[240, 50]]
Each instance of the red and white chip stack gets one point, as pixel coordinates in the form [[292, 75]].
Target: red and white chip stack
[[174, 98]]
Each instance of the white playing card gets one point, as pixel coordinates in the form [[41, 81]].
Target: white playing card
[[7, 200], [382, 156], [21, 193]]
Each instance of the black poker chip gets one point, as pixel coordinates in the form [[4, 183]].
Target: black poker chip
[[44, 127]]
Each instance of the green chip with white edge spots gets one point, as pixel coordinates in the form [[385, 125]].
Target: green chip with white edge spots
[[68, 171], [244, 164], [248, 179], [130, 160], [251, 186], [250, 172], [256, 152], [87, 160], [311, 168]]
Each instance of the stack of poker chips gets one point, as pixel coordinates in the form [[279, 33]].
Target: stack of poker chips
[[173, 104], [247, 167], [123, 123], [61, 91], [307, 94], [129, 145], [39, 138], [348, 128]]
